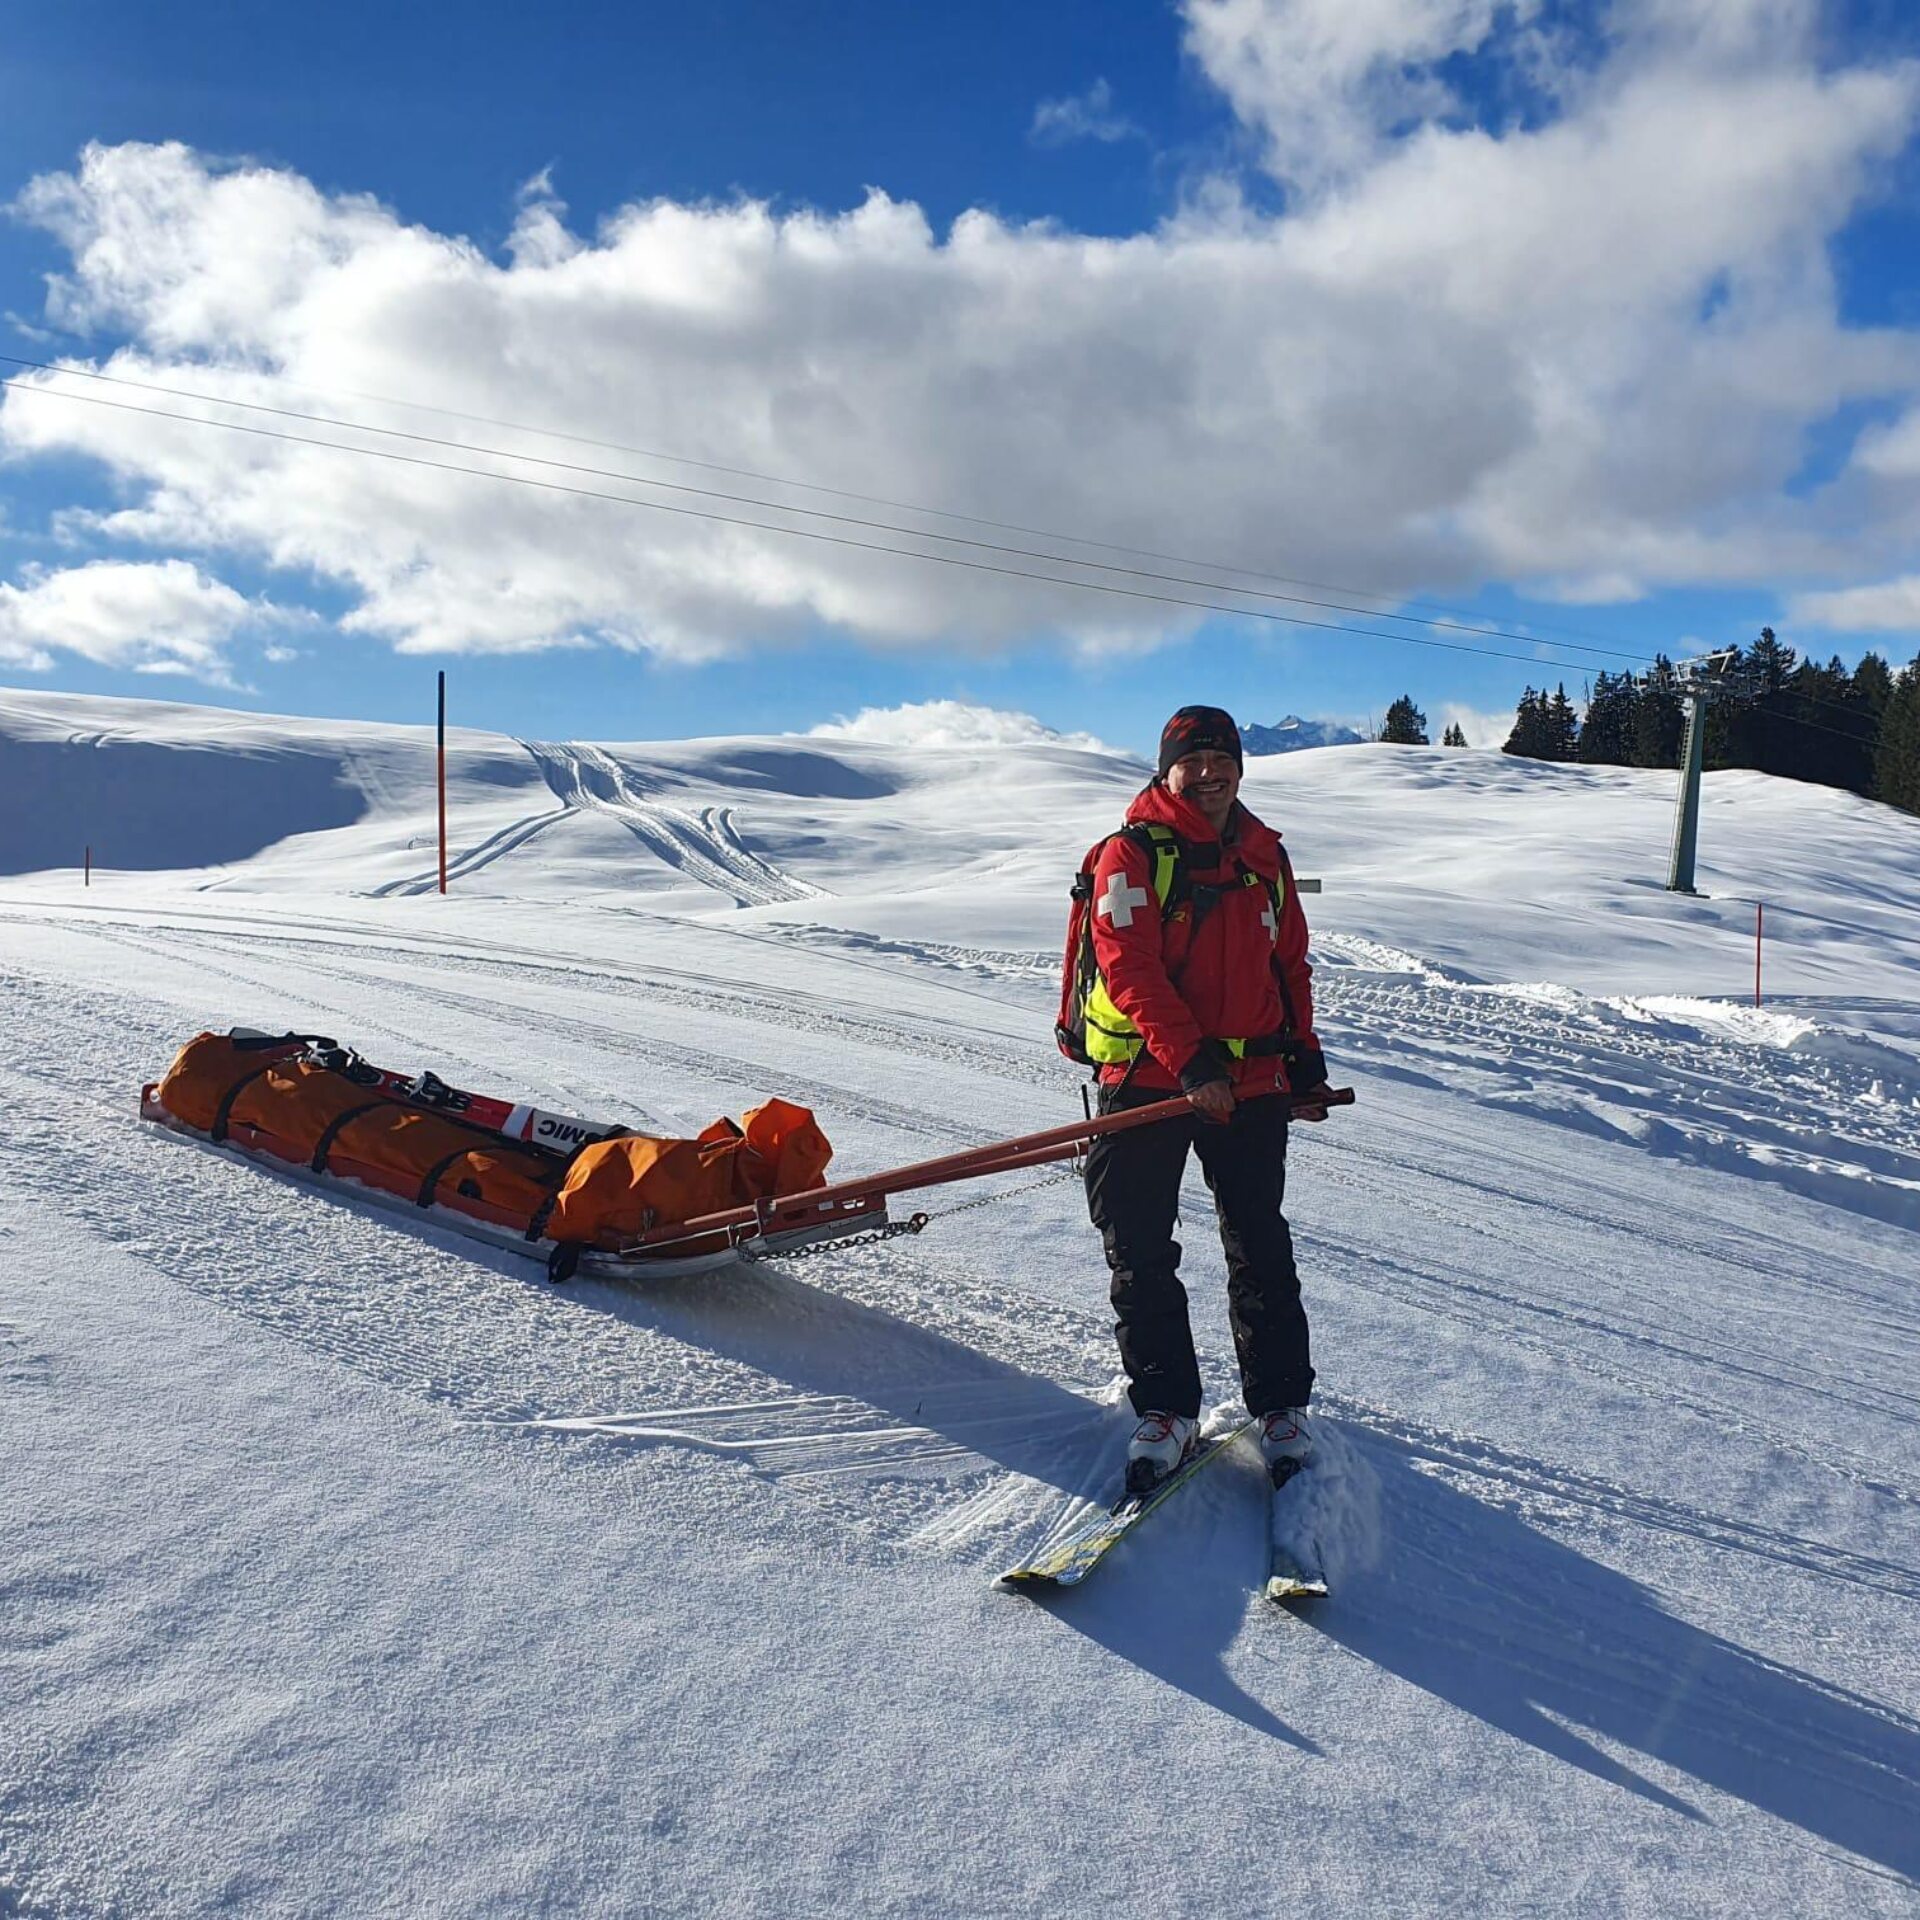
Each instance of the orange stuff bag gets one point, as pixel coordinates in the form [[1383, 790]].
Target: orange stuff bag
[[271, 1095], [617, 1189], [209, 1068], [429, 1159]]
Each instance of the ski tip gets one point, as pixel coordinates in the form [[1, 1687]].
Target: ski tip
[[1283, 1591], [1033, 1580]]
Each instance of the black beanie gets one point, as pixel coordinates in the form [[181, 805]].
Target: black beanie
[[1199, 730]]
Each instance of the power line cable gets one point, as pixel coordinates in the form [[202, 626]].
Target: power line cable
[[805, 533], [1069, 560], [812, 486], [1481, 628]]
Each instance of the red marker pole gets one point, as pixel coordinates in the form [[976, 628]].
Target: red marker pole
[[443, 781], [1759, 920]]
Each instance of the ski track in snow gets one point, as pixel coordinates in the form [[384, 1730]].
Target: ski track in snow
[[705, 847]]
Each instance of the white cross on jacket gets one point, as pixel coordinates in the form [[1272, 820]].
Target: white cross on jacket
[[1120, 899]]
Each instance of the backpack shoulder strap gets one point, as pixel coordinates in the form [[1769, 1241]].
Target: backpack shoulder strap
[[1280, 891], [1167, 852]]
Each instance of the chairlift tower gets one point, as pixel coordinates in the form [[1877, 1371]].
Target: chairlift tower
[[1698, 682]]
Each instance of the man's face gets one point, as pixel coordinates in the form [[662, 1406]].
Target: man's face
[[1208, 781]]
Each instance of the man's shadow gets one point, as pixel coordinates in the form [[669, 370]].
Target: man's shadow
[[1460, 1597], [1475, 1606]]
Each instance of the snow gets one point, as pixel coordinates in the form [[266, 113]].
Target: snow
[[351, 1569]]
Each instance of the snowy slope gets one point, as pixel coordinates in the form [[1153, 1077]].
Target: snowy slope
[[353, 1570]]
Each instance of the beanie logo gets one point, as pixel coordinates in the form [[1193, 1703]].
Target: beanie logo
[[1199, 730]]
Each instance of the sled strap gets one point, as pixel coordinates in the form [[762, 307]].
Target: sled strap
[[218, 1131], [557, 1174], [324, 1145], [436, 1173]]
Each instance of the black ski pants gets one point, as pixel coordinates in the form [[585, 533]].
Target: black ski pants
[[1133, 1194]]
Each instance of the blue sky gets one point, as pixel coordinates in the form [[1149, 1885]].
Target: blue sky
[[1601, 325]]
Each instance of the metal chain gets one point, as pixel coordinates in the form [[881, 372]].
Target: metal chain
[[839, 1243], [895, 1229], [1005, 1193]]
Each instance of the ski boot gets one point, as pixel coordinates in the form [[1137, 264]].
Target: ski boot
[[1286, 1443], [1160, 1442]]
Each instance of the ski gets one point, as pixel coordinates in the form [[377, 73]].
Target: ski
[[1294, 1571], [1071, 1559]]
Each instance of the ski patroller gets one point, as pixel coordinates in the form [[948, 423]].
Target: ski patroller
[[1294, 1570]]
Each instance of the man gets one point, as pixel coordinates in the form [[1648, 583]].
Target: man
[[1204, 989]]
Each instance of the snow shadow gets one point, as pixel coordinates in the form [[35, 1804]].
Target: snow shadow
[[855, 1388], [1477, 1607], [150, 808], [869, 1399], [1174, 1601]]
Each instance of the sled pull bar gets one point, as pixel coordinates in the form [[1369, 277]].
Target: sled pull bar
[[1001, 1156]]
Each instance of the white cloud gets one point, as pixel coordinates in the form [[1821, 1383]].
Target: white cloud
[[1080, 116], [1892, 452], [951, 723], [1605, 589], [1471, 353], [1482, 728], [151, 617], [1892, 606], [1326, 81]]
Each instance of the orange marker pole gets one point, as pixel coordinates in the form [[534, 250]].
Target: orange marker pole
[[443, 781]]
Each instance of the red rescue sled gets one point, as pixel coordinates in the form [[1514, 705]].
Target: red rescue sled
[[579, 1194]]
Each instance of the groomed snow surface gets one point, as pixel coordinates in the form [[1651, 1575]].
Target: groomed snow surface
[[346, 1569]]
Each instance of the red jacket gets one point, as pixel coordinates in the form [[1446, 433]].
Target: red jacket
[[1179, 987]]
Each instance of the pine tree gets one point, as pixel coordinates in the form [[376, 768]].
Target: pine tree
[[1563, 726], [1657, 718], [1406, 724], [1836, 748], [1718, 746], [1606, 736], [1873, 684], [1453, 737], [1759, 730], [1896, 762], [1528, 739]]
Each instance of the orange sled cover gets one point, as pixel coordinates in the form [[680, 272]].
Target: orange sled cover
[[274, 1098]]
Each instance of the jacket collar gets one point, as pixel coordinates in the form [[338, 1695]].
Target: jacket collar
[[1154, 806]]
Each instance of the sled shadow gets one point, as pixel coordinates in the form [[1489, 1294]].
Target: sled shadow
[[1480, 1609], [856, 1386]]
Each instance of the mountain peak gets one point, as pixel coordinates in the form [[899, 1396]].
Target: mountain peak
[[1293, 733]]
